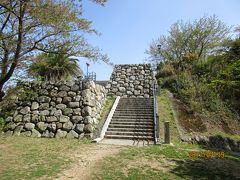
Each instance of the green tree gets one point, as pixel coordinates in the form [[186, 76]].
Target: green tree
[[54, 66], [29, 27], [189, 40]]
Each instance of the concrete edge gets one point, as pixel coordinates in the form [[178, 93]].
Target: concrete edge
[[107, 122]]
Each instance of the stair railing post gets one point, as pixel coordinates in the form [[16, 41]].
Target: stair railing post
[[166, 132], [156, 117]]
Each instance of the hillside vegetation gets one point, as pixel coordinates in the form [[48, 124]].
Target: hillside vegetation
[[62, 158], [200, 64]]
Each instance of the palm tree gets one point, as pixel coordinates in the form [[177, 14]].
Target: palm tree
[[54, 67]]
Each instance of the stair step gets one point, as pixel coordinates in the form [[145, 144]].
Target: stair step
[[142, 126], [132, 123], [137, 123], [134, 103], [134, 109], [129, 137], [127, 133], [136, 99], [132, 117], [132, 120], [132, 129], [133, 112], [137, 105]]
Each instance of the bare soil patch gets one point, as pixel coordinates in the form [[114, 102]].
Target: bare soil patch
[[190, 121], [194, 123], [88, 159]]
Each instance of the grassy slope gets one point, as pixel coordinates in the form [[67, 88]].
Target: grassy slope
[[167, 162], [107, 107], [31, 158], [166, 113], [104, 113]]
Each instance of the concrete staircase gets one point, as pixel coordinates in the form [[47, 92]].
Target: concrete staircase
[[132, 120]]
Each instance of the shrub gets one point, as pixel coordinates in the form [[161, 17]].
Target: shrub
[[2, 123]]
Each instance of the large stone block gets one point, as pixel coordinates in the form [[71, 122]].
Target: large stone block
[[74, 104], [75, 87], [72, 134], [18, 130], [77, 98], [86, 111], [35, 118], [52, 127], [35, 133], [61, 134], [89, 85], [29, 126], [26, 133], [42, 126], [44, 113], [44, 106], [55, 112], [77, 111], [27, 118], [43, 99], [62, 94], [25, 110], [58, 100], [76, 119], [89, 101], [122, 89], [79, 128], [64, 119], [86, 92], [51, 119], [61, 106], [67, 100], [88, 128], [35, 105], [67, 111], [64, 88], [88, 120], [72, 94], [54, 93], [67, 126], [18, 118]]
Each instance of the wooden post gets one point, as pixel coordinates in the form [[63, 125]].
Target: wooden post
[[166, 132]]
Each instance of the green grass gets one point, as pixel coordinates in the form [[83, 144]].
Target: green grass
[[107, 107], [166, 113], [222, 134], [166, 162], [2, 123], [31, 158]]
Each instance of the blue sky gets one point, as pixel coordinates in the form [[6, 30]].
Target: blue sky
[[128, 26]]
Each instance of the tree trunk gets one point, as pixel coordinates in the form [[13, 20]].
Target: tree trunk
[[5, 77], [2, 94]]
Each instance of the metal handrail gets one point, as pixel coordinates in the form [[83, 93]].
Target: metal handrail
[[156, 116], [90, 76]]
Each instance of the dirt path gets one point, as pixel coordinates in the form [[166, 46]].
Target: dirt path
[[88, 159]]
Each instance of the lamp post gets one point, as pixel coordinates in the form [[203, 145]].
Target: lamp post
[[158, 53], [87, 69]]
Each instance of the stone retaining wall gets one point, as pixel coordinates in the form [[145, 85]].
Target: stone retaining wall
[[133, 80], [218, 142], [62, 109]]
